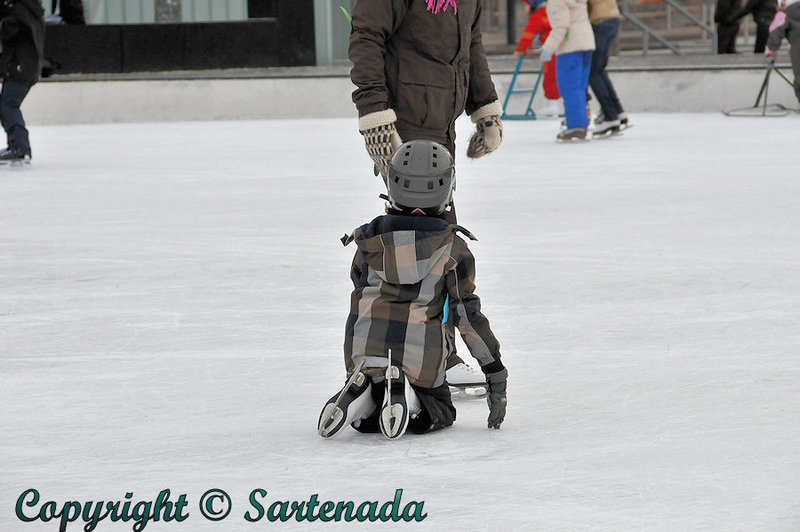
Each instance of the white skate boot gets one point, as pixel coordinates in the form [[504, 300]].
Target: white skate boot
[[464, 381], [551, 110], [352, 403]]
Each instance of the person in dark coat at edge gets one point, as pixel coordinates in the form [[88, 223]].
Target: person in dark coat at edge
[[789, 29], [726, 29], [69, 12], [22, 37], [418, 65], [763, 12]]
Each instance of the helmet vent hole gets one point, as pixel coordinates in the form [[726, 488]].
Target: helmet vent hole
[[441, 182], [430, 185], [405, 163], [406, 183], [434, 164]]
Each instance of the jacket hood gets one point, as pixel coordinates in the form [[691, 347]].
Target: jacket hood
[[403, 256], [404, 249]]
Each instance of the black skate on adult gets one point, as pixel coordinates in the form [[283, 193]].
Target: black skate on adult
[[604, 128], [14, 157], [353, 402]]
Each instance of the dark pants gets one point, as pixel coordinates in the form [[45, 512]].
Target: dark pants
[[762, 35], [437, 413], [11, 117], [795, 55], [605, 33], [72, 11], [726, 38]]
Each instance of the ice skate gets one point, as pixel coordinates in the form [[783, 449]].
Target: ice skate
[[13, 157], [551, 110], [400, 403], [353, 402], [572, 133], [606, 128], [465, 381]]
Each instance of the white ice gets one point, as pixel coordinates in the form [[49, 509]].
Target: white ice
[[173, 299]]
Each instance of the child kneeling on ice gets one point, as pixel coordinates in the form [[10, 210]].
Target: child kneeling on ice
[[411, 274]]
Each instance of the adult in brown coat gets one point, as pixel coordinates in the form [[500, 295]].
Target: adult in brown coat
[[417, 65]]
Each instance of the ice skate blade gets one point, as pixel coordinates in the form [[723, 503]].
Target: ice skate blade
[[16, 165], [610, 133], [394, 420], [331, 421], [468, 392]]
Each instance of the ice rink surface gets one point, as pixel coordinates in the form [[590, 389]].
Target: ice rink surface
[[173, 299]]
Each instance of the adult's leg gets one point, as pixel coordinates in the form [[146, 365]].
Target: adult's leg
[[605, 33], [762, 35], [571, 85], [795, 55], [72, 12], [11, 97], [726, 38]]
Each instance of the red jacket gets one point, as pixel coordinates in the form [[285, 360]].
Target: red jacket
[[538, 24]]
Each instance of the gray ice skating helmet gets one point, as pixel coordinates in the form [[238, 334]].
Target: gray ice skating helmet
[[422, 178]]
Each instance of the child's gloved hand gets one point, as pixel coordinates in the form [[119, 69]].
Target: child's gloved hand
[[488, 130], [381, 137], [545, 56], [497, 397]]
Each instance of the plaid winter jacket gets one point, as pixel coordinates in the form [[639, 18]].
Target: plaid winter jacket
[[403, 271]]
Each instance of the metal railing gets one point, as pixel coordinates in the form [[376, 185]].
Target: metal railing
[[648, 32]]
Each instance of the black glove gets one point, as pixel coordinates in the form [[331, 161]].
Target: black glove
[[497, 397]]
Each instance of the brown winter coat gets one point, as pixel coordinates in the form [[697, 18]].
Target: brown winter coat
[[403, 272], [427, 66], [571, 31], [600, 10]]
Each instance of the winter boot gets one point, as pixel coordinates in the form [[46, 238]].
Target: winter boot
[[352, 403]]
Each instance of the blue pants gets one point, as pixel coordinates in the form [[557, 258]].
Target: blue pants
[[11, 117], [572, 76], [604, 34]]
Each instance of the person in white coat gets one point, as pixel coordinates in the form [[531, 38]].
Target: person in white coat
[[572, 40]]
